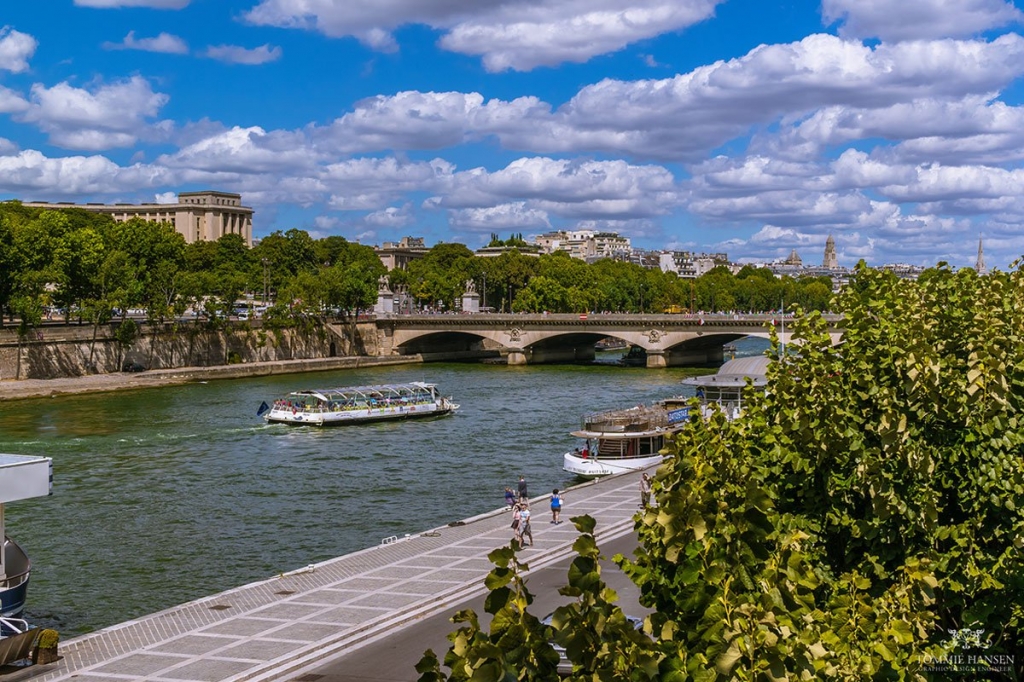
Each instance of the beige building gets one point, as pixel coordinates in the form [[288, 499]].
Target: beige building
[[198, 216], [399, 255]]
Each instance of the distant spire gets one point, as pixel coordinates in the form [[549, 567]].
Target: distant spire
[[979, 266], [830, 262]]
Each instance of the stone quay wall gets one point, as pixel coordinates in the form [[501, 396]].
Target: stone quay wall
[[54, 352]]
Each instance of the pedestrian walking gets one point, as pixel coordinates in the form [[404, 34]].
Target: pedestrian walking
[[645, 490], [510, 497], [525, 530], [556, 506], [517, 523], [521, 489]]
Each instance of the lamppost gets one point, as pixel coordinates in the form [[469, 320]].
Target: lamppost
[[485, 291], [265, 262]]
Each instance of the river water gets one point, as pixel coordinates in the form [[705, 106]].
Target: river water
[[166, 495]]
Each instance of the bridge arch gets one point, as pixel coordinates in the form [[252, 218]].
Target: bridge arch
[[526, 339]]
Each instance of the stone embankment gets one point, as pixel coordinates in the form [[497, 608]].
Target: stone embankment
[[54, 352], [121, 381]]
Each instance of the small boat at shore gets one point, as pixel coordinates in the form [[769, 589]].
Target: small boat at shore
[[631, 439], [358, 405], [21, 477]]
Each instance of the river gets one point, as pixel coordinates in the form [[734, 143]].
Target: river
[[166, 495]]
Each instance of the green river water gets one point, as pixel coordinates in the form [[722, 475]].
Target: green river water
[[166, 495]]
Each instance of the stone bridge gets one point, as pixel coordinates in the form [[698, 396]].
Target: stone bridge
[[669, 340]]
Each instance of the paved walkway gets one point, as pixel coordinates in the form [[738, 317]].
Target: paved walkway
[[273, 630]]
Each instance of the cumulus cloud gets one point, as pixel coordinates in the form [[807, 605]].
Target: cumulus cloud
[[233, 54], [245, 150], [574, 189], [110, 115], [166, 197], [152, 4], [684, 117], [11, 102], [16, 48], [507, 34], [516, 215], [918, 19], [391, 217], [164, 42], [55, 179]]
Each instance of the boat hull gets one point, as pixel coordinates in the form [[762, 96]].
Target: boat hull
[[591, 467], [300, 418], [14, 590]]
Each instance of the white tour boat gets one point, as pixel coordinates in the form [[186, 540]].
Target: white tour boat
[[632, 439], [358, 405]]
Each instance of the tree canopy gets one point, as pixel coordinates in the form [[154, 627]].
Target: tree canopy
[[863, 519]]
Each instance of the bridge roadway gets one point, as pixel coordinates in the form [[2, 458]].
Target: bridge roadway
[[668, 340], [284, 628]]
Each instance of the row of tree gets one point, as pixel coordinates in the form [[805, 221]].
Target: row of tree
[[90, 267]]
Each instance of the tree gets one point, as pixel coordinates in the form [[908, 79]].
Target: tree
[[863, 512]]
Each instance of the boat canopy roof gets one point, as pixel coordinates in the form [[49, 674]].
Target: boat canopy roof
[[734, 374], [377, 392]]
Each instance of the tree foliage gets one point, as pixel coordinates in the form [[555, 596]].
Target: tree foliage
[[861, 516]]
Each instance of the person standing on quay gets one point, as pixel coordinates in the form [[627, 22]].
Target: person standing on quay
[[517, 523], [510, 498], [556, 506], [521, 488], [645, 490]]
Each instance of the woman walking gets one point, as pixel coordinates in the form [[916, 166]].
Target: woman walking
[[517, 523], [556, 506]]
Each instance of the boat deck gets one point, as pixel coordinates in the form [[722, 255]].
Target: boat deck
[[282, 628]]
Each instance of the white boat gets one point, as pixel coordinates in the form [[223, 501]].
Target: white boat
[[618, 441], [631, 439], [358, 405], [21, 477]]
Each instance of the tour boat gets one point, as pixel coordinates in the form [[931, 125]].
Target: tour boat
[[624, 440], [358, 405], [631, 439]]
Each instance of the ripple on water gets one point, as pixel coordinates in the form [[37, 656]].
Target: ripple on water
[[168, 495]]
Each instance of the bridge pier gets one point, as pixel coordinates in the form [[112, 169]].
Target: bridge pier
[[541, 356], [659, 359], [516, 356]]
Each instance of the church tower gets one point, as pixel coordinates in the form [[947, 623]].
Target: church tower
[[830, 262], [979, 266]]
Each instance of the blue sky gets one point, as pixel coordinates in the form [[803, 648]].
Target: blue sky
[[745, 126]]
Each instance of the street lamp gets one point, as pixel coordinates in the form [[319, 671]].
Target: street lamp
[[485, 291], [265, 262]]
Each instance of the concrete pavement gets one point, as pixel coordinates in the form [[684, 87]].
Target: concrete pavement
[[281, 628]]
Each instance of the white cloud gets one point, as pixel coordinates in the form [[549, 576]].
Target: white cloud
[[56, 179], [507, 34], [245, 150], [233, 54], [164, 42], [16, 48], [11, 102], [573, 189], [7, 147], [687, 116], [166, 197], [918, 19], [391, 217], [514, 216], [152, 4], [111, 115]]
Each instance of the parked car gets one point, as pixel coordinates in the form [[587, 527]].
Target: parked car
[[564, 664], [132, 367]]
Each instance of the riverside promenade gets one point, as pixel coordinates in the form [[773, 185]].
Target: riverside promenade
[[282, 628]]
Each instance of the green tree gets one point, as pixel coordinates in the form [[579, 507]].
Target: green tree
[[867, 505]]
